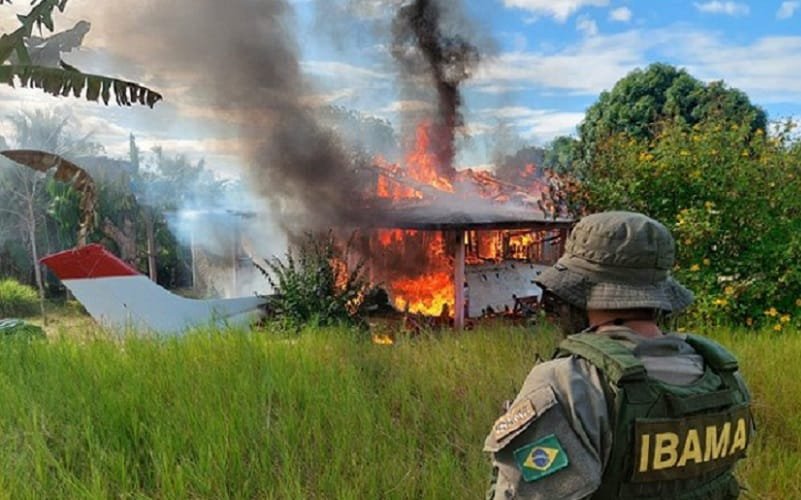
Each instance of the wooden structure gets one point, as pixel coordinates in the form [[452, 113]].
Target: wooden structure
[[456, 223]]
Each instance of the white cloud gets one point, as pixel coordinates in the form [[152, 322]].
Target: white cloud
[[621, 14], [558, 9], [410, 106], [728, 8], [542, 125], [587, 26], [787, 9], [592, 65], [764, 69]]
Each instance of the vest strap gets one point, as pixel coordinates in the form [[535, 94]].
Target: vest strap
[[616, 362], [713, 353]]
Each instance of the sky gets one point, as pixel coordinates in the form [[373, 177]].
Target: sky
[[543, 63]]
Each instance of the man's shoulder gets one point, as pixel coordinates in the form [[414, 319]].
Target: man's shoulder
[[561, 375], [546, 447]]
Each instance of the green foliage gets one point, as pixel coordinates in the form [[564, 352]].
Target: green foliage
[[314, 285], [562, 154], [730, 197], [17, 299], [63, 80], [644, 99]]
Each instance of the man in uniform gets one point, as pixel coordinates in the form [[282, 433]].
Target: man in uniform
[[624, 410]]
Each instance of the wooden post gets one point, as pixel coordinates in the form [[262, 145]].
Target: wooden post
[[458, 282]]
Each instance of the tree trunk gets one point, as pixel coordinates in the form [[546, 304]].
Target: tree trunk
[[124, 238], [37, 269], [151, 246]]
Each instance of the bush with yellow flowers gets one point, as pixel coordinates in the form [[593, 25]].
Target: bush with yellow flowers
[[731, 198]]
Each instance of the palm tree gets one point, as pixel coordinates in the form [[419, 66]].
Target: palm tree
[[16, 64]]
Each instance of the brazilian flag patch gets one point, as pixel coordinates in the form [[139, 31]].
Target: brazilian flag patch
[[541, 458]]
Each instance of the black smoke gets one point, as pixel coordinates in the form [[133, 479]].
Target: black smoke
[[242, 60], [428, 54]]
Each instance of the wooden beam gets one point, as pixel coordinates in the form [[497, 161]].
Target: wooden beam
[[458, 281]]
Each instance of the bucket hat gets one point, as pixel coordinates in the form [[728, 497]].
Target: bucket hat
[[618, 260]]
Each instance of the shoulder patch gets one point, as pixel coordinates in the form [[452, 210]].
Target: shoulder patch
[[518, 416], [541, 458]]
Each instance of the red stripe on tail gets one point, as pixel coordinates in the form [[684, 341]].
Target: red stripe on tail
[[91, 261]]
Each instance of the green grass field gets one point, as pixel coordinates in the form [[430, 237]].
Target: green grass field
[[321, 415]]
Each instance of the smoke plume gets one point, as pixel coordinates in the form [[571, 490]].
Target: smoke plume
[[425, 50], [238, 62], [243, 64]]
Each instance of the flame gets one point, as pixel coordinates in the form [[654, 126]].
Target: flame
[[416, 268], [383, 339], [389, 237], [519, 245], [431, 294], [530, 170], [421, 163]]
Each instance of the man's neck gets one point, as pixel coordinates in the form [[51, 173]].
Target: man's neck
[[647, 329], [636, 321]]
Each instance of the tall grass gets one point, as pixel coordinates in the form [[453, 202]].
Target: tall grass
[[17, 299], [771, 364], [320, 415]]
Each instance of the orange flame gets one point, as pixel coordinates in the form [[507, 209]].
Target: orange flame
[[421, 164], [428, 288], [431, 294]]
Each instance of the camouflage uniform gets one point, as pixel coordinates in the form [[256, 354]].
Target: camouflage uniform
[[561, 432]]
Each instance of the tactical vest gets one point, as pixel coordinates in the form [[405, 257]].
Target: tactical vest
[[669, 441]]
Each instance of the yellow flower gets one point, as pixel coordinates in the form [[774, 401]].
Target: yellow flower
[[772, 312], [709, 205], [684, 152], [729, 290], [695, 268], [707, 262], [798, 302], [785, 318], [777, 327], [721, 302]]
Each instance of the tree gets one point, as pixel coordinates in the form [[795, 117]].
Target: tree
[[26, 197], [53, 76], [646, 99], [730, 197], [562, 154]]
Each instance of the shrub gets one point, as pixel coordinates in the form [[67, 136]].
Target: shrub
[[313, 284], [730, 197], [17, 299]]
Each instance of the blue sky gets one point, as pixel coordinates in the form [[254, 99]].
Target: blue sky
[[545, 62]]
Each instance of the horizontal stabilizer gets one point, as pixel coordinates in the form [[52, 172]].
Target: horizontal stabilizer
[[120, 298]]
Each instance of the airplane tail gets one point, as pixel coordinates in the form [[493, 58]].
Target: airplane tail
[[118, 297]]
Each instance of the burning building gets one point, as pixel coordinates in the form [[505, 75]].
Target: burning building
[[462, 245]]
